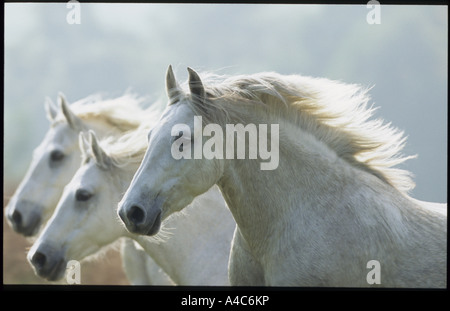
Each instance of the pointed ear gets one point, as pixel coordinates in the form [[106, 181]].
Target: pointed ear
[[173, 90], [196, 85], [83, 142], [50, 109], [74, 121], [101, 158]]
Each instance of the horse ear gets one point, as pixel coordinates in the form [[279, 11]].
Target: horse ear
[[101, 158], [83, 142], [50, 109], [173, 90], [196, 85], [74, 121]]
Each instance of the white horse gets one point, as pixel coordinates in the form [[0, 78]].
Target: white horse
[[58, 157], [332, 205], [194, 251]]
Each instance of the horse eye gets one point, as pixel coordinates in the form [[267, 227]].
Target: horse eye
[[56, 155], [83, 195]]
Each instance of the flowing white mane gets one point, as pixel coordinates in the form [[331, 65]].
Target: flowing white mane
[[129, 148], [124, 112], [335, 113]]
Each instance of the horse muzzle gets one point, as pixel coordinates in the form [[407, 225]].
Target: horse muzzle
[[48, 262], [24, 217], [141, 220]]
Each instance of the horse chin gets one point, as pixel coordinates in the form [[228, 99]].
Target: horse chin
[[154, 228], [55, 273], [48, 261], [58, 271], [33, 228]]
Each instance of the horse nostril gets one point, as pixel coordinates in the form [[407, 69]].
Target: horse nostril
[[39, 260], [136, 214], [17, 218]]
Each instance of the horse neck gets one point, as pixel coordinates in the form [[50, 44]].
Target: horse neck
[[318, 207], [310, 184]]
